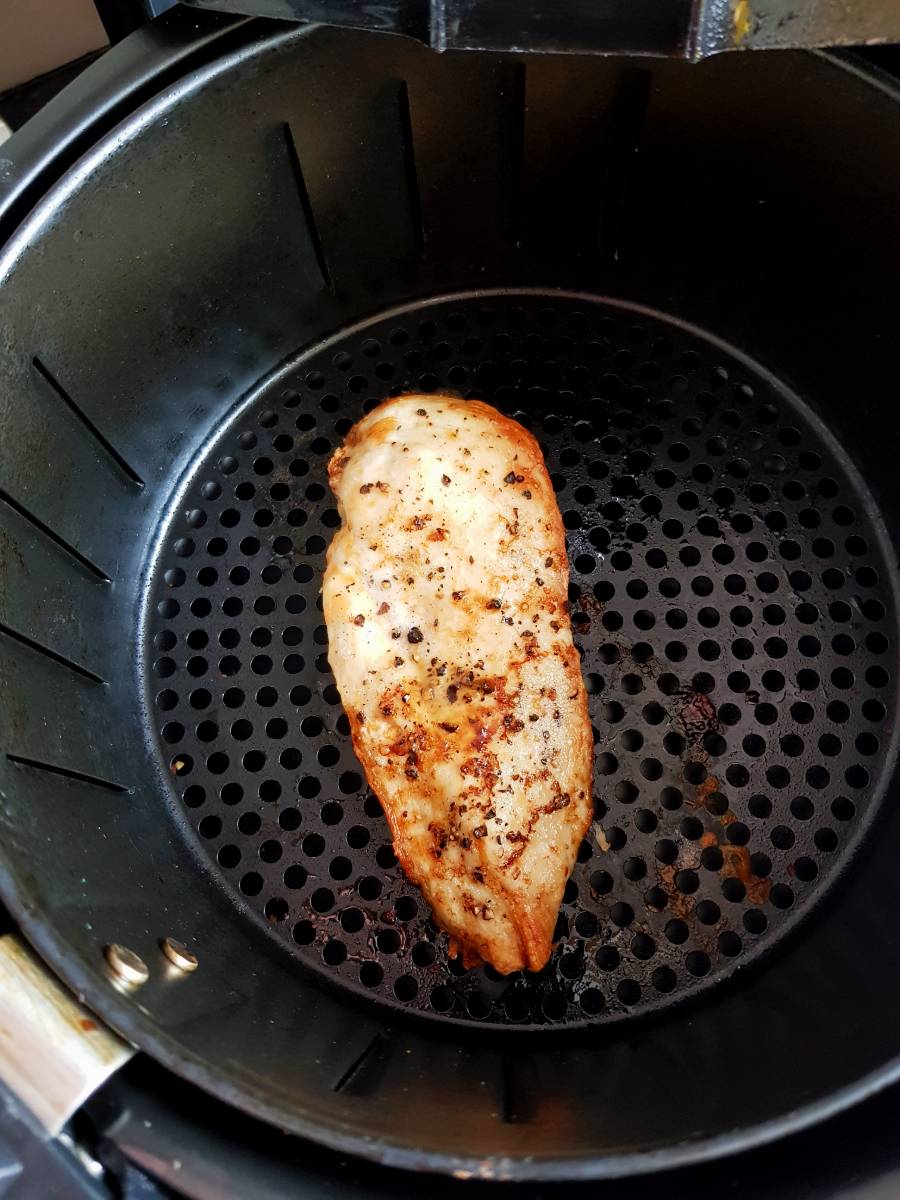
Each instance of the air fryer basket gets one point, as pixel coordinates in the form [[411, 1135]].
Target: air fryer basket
[[682, 279]]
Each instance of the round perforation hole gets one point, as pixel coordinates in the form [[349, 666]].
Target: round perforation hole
[[729, 599]]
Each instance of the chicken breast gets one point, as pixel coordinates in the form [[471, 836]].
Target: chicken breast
[[445, 597]]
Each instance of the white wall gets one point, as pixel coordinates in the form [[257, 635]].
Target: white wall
[[38, 35]]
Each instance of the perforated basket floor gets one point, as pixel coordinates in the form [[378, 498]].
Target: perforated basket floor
[[729, 599]]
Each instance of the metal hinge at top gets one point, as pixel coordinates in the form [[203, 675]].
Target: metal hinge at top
[[690, 29]]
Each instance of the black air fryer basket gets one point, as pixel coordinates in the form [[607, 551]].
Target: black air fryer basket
[[683, 279]]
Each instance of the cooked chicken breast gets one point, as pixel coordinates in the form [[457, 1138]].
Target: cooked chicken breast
[[445, 597]]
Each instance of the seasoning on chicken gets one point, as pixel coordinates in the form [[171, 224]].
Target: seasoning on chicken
[[445, 597]]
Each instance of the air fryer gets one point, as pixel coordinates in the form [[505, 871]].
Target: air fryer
[[682, 278]]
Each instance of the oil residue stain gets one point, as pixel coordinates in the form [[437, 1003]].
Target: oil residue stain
[[737, 866], [680, 905], [694, 714], [704, 790]]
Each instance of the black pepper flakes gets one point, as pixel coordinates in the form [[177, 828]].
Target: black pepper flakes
[[398, 661], [415, 635], [420, 412], [479, 831], [445, 479], [493, 603], [527, 494], [510, 478], [452, 693]]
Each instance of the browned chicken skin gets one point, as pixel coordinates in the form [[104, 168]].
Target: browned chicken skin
[[445, 599]]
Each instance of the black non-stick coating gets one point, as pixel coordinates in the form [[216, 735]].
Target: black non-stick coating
[[729, 600], [179, 272]]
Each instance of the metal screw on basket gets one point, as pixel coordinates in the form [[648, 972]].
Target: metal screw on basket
[[179, 955], [126, 967]]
